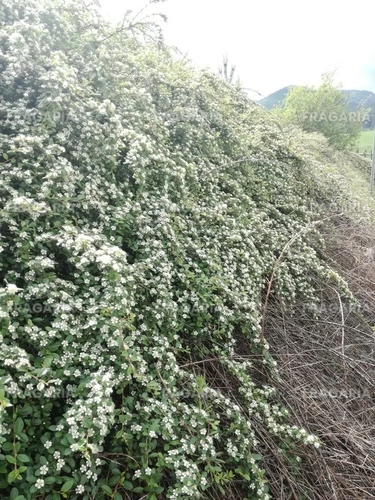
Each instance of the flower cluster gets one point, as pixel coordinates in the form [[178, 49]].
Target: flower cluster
[[145, 228]]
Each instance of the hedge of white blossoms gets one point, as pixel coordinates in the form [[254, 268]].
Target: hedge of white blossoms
[[143, 205]]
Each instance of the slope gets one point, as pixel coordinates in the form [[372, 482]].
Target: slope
[[153, 221]]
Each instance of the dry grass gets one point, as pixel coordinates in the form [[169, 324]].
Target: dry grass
[[326, 363], [326, 358], [327, 368]]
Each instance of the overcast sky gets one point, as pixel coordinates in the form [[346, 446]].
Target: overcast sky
[[273, 43]]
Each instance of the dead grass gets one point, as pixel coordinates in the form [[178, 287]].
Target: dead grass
[[327, 367]]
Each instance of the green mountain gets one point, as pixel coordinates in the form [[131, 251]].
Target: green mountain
[[358, 98], [276, 98], [355, 100]]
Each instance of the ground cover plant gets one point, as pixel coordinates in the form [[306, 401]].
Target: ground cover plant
[[149, 214]]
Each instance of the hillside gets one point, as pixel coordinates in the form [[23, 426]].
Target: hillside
[[186, 287], [355, 100], [276, 98]]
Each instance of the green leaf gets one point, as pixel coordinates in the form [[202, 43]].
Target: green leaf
[[117, 496], [23, 458], [107, 489], [11, 459], [13, 493], [12, 476], [23, 437], [138, 489], [18, 425], [128, 485], [67, 486], [114, 480], [47, 361]]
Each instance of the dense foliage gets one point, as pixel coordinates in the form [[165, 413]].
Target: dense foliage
[[143, 206], [324, 109]]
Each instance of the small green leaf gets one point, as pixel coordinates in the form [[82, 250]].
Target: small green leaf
[[114, 480], [128, 485], [138, 489], [47, 361], [18, 425], [107, 489], [13, 493], [23, 458], [12, 476], [67, 486], [23, 437]]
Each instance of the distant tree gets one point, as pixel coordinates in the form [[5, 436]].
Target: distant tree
[[324, 110]]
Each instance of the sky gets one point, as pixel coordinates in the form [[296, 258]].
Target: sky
[[272, 43]]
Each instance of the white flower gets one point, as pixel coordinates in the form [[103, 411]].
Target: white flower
[[39, 483], [104, 259], [80, 489], [12, 289], [60, 464], [43, 470]]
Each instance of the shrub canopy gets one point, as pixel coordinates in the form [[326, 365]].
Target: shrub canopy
[[143, 205], [324, 110]]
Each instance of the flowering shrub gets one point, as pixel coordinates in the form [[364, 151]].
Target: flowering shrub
[[143, 206]]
